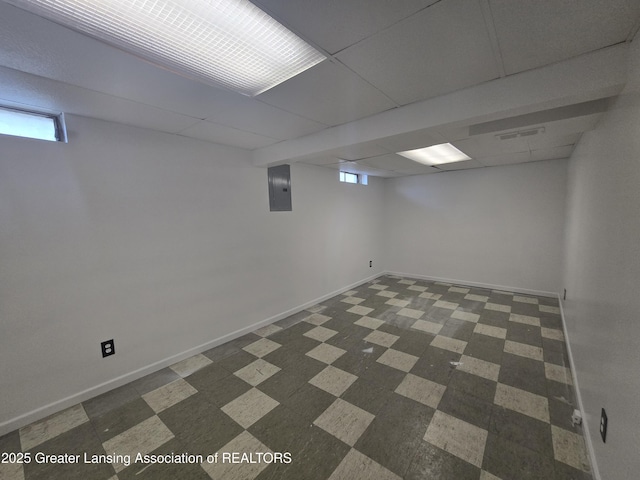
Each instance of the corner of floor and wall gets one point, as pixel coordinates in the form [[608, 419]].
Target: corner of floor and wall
[[167, 245]]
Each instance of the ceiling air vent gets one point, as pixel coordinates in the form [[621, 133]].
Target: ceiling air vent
[[521, 133]]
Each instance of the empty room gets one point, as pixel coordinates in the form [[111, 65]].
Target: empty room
[[297, 239]]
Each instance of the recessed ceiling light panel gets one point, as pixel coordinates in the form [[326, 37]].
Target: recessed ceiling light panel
[[228, 43], [436, 154]]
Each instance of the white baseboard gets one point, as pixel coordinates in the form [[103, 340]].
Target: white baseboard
[[489, 286], [59, 405], [585, 422]]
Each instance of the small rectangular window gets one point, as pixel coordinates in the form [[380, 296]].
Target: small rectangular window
[[347, 177], [41, 126]]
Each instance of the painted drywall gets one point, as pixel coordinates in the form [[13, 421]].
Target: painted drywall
[[500, 226], [161, 242], [602, 276]]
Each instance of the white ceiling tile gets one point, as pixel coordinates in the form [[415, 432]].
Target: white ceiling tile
[[356, 167], [550, 140], [411, 141], [483, 145], [552, 153], [31, 91], [321, 160], [362, 150], [505, 159], [213, 132], [443, 48], [390, 174], [466, 165], [327, 93], [254, 116], [532, 33], [335, 25], [451, 133], [572, 125]]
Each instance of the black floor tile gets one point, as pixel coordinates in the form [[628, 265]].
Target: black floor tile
[[122, 418], [522, 430], [435, 365], [430, 462], [201, 427], [155, 380], [309, 402], [316, 457], [396, 433], [80, 440], [469, 408], [164, 471], [221, 391], [111, 400], [523, 373], [519, 332], [367, 395], [511, 461]]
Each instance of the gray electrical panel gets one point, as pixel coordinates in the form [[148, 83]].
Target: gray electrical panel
[[279, 188]]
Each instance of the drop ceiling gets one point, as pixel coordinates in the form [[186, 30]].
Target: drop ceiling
[[399, 76]]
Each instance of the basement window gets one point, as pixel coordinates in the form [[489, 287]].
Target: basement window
[[38, 125], [347, 177]]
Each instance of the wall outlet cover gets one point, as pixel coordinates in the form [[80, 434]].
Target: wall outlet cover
[[108, 348], [603, 425]]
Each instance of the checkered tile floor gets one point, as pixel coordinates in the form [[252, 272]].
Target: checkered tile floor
[[397, 378]]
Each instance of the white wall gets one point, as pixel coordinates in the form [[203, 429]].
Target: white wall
[[499, 226], [161, 242], [602, 278]]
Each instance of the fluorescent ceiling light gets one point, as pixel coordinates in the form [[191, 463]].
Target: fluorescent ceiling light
[[436, 154], [228, 43]]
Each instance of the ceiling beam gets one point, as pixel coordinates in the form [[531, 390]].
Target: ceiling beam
[[591, 76]]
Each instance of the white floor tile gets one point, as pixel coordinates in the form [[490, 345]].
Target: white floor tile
[[144, 438], [320, 333], [168, 395], [521, 401], [245, 443], [421, 390], [358, 466], [250, 407], [190, 365], [398, 360], [381, 338], [257, 372], [523, 350], [39, 432], [262, 347], [326, 353], [490, 330], [457, 437], [344, 421], [569, 448], [333, 380]]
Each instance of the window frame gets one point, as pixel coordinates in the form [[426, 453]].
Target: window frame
[[57, 120], [360, 178]]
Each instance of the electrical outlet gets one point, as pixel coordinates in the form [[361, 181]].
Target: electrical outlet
[[564, 297], [108, 348], [603, 425], [370, 263]]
